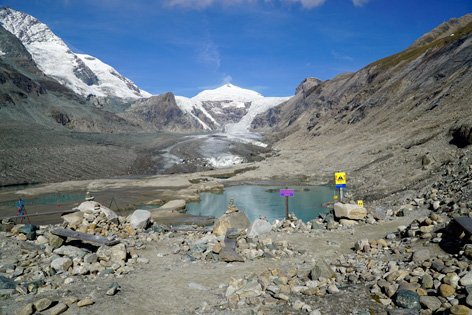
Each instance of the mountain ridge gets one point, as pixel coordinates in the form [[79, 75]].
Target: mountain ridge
[[56, 60]]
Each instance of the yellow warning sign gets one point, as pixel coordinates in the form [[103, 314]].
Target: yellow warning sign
[[340, 178], [360, 203]]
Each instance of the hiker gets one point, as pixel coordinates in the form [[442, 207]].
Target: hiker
[[21, 209]]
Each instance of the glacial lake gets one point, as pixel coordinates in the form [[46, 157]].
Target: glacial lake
[[265, 201]]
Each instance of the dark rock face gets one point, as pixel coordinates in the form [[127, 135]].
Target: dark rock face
[[84, 73], [307, 85], [462, 134], [161, 112]]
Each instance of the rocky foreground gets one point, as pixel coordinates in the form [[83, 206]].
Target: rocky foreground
[[404, 257]]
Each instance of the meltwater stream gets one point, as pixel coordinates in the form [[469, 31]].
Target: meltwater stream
[[265, 201]]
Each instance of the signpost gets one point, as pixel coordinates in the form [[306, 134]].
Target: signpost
[[340, 179], [360, 203], [286, 193]]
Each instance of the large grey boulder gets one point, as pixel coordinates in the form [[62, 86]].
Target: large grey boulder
[[259, 227], [61, 264], [321, 269], [140, 219], [73, 218], [95, 207], [348, 211], [233, 218], [236, 220]]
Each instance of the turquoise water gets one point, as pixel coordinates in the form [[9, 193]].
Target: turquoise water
[[265, 201]]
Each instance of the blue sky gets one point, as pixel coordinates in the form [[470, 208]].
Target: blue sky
[[185, 46]]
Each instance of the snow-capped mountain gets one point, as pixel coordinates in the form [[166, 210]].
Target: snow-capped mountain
[[82, 73], [228, 107]]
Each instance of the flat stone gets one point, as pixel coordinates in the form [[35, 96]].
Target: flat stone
[[178, 204], [467, 279], [70, 251], [28, 228], [430, 302], [229, 255], [459, 310], [25, 310], [58, 309], [85, 302], [42, 304]]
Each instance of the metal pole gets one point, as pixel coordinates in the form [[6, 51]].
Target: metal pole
[[341, 194], [286, 205]]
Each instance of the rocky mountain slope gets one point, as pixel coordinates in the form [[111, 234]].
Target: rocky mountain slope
[[226, 108], [390, 125], [81, 73], [42, 126]]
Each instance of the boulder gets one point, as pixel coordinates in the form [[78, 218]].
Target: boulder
[[379, 213], [236, 220], [348, 211], [174, 205], [229, 255], [55, 241], [97, 207], [259, 227], [42, 304], [73, 218], [61, 264], [321, 269], [140, 219]]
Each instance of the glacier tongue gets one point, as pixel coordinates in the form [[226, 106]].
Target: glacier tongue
[[82, 73]]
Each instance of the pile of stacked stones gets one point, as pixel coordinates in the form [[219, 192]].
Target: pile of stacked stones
[[198, 246]]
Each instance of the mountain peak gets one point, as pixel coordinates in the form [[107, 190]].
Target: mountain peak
[[83, 74], [228, 91]]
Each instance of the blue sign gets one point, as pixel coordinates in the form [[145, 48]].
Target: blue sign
[[286, 193], [341, 186]]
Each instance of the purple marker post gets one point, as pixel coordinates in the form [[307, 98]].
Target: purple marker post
[[286, 193]]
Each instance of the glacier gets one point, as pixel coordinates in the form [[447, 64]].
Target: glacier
[[83, 74]]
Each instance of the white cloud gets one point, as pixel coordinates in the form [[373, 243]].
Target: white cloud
[[340, 56], [359, 3], [227, 79], [308, 4], [208, 53], [202, 4]]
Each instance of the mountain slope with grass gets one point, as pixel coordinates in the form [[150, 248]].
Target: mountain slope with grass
[[390, 125]]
